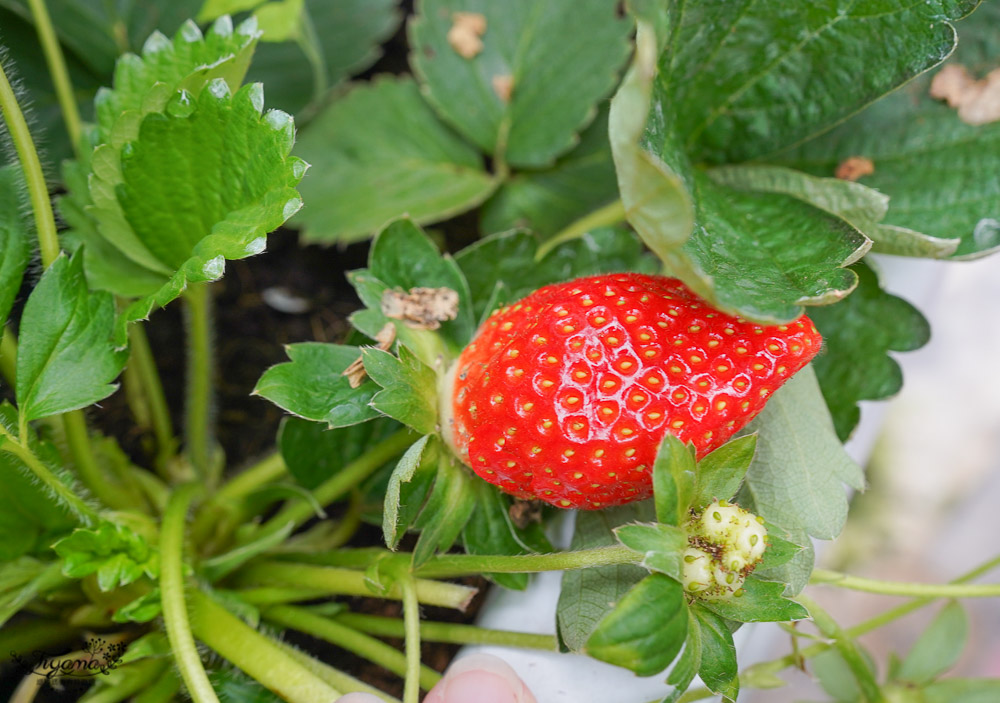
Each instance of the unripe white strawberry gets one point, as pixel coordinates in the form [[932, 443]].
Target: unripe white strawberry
[[698, 571]]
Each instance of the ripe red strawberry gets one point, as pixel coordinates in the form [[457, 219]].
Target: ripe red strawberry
[[566, 395]]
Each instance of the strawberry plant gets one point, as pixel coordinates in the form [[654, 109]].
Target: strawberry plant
[[619, 259]]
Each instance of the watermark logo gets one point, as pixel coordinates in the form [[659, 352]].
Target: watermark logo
[[97, 657]]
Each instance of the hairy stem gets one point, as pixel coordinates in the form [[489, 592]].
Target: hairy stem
[[610, 214], [336, 678], [62, 492], [148, 377], [368, 647], [257, 655], [411, 627], [451, 633], [198, 413], [175, 614], [848, 649], [163, 690], [451, 565], [89, 471], [57, 70], [336, 581], [8, 356], [344, 480], [132, 678], [902, 588], [34, 178]]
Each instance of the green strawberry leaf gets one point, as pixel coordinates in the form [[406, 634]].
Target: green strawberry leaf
[[65, 360], [748, 257], [381, 151], [312, 385], [673, 480], [858, 332], [547, 201], [345, 34], [835, 677], [447, 511], [965, 690], [686, 667], [15, 241], [118, 555], [488, 69], [938, 647], [142, 609], [313, 452], [743, 78], [795, 478], [145, 84], [409, 388], [718, 668], [762, 601], [491, 530], [741, 250], [906, 135], [409, 484], [657, 203], [720, 474], [587, 594], [494, 266], [191, 207], [662, 545], [645, 630]]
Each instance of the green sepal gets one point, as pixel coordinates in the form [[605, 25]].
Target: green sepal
[[447, 511], [312, 385], [645, 630], [721, 472], [687, 665], [409, 388], [779, 551], [66, 359], [673, 480], [118, 555], [761, 601], [662, 546], [408, 487], [717, 668]]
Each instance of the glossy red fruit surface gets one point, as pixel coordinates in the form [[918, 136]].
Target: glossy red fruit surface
[[566, 395]]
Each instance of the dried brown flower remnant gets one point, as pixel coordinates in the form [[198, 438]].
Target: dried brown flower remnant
[[356, 373], [503, 86], [854, 167], [977, 102], [465, 35], [421, 308]]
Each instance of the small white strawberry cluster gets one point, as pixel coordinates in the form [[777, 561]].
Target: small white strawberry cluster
[[725, 543]]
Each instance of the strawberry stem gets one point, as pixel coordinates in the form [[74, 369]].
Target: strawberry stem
[[451, 565], [902, 588]]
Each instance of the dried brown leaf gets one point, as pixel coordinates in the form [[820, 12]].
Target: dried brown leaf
[[977, 101], [421, 308], [854, 167], [356, 373]]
